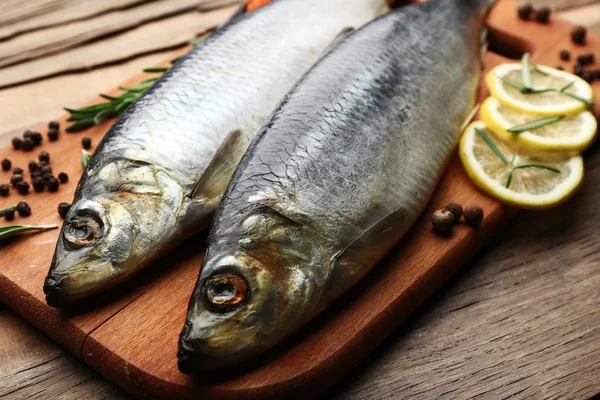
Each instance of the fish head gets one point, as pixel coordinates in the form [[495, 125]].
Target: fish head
[[251, 293], [109, 234]]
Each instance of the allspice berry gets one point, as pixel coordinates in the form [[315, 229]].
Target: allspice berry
[[456, 210], [473, 215], [525, 11], [442, 221], [543, 15]]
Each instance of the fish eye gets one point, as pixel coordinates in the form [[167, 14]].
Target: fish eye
[[81, 231], [224, 292]]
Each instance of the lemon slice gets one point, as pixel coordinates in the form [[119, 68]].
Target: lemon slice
[[574, 132], [535, 180], [548, 103]]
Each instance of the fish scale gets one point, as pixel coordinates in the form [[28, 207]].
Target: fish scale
[[223, 90], [335, 178]]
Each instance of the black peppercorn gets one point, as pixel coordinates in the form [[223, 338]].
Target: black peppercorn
[[23, 209], [473, 215], [9, 215], [63, 209], [6, 164], [27, 134], [28, 144], [585, 59], [37, 138], [588, 76], [45, 169], [17, 143], [525, 11], [578, 70], [52, 184], [565, 55], [44, 156], [16, 178], [63, 177], [33, 166], [86, 142], [543, 15], [18, 171], [4, 190], [578, 34], [38, 184], [53, 125], [22, 187], [52, 135]]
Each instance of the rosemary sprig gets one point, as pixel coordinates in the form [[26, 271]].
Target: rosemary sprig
[[492, 145], [89, 116], [567, 86], [9, 231], [534, 124], [85, 158], [523, 166], [4, 210], [524, 90], [525, 73]]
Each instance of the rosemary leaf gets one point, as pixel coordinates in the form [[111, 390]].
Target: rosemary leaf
[[538, 91], [13, 230], [541, 166], [85, 158], [492, 145], [581, 99], [155, 69], [102, 115], [81, 125], [512, 83], [4, 210], [534, 124], [525, 73], [510, 176], [107, 97], [568, 85]]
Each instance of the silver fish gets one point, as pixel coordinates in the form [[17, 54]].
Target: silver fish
[[334, 179], [160, 172]]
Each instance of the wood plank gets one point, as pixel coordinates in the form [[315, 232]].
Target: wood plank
[[65, 11], [557, 5], [165, 34], [34, 104], [522, 322], [38, 44], [588, 16]]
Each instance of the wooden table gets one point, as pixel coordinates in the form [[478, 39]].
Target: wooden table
[[522, 320]]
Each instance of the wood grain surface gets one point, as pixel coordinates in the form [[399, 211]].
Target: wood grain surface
[[520, 321]]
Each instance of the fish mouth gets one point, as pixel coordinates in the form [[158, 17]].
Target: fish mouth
[[66, 288]]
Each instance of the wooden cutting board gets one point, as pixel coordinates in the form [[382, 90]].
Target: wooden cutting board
[[130, 335]]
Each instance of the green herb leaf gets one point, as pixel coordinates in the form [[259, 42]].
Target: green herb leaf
[[534, 67], [534, 124], [4, 210], [525, 73], [538, 91], [492, 145], [541, 166], [581, 99], [9, 231], [85, 158], [81, 125], [156, 69], [568, 85], [512, 83]]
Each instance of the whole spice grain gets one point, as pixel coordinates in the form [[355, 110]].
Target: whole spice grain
[[53, 125], [473, 215], [543, 15], [28, 144], [565, 55], [9, 215], [588, 76], [44, 156], [45, 168], [52, 184], [578, 34], [456, 210], [38, 184], [86, 143], [63, 209], [22, 187], [525, 12], [4, 190], [53, 135], [16, 178], [442, 221], [37, 138], [33, 166], [17, 143], [23, 209], [63, 177], [578, 70], [18, 171], [6, 164], [585, 59]]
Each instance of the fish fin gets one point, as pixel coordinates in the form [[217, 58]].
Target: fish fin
[[217, 175], [344, 33], [367, 247]]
